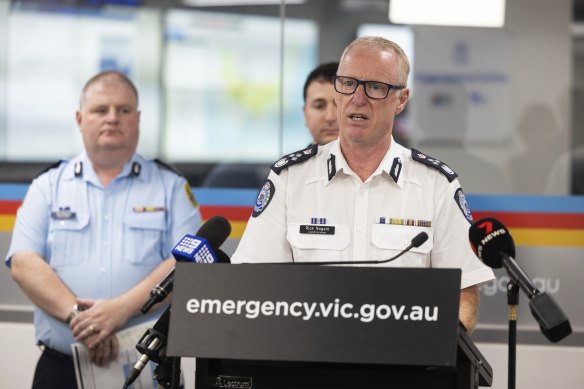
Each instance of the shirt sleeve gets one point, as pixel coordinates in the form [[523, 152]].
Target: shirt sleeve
[[32, 220], [264, 239], [451, 245], [185, 213]]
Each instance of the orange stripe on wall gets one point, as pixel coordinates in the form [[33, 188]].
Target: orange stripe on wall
[[7, 223], [547, 237]]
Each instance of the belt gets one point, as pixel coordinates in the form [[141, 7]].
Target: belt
[[54, 353]]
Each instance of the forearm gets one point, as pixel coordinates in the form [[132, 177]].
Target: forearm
[[41, 284], [136, 297], [469, 307]]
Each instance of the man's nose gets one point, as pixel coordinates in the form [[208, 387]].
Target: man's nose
[[360, 96], [331, 113], [112, 115]]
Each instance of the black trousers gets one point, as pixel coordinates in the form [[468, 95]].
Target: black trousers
[[54, 370]]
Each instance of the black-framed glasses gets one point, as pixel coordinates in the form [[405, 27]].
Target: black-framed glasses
[[374, 89]]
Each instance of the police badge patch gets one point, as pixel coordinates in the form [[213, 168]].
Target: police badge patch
[[264, 197], [462, 204]]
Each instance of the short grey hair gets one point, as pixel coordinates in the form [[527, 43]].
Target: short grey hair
[[108, 74], [403, 64]]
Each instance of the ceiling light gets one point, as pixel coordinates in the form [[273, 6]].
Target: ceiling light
[[470, 13]]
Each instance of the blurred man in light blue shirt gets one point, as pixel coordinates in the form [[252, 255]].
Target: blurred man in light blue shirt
[[94, 234]]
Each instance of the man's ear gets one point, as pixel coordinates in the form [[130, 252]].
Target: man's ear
[[403, 97]]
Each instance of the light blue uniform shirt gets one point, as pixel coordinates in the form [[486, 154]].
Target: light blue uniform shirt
[[102, 241]]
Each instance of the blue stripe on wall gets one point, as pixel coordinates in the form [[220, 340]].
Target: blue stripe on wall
[[484, 203], [523, 203]]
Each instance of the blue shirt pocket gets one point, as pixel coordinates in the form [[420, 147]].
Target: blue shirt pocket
[[145, 233], [69, 240]]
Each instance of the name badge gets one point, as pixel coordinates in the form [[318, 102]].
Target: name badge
[[317, 229], [64, 213]]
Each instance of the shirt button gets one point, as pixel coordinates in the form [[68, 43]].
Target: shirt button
[[102, 269]]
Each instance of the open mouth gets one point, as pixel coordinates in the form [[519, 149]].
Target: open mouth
[[358, 117]]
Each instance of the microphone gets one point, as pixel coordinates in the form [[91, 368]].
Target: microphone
[[416, 241], [202, 248], [493, 244], [152, 345]]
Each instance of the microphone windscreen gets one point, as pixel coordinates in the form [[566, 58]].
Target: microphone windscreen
[[489, 239], [222, 257], [419, 239], [215, 231]]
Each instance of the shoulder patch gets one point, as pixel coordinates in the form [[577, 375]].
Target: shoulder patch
[[462, 204], [168, 166], [51, 167], [191, 196], [434, 163], [264, 197], [294, 158]]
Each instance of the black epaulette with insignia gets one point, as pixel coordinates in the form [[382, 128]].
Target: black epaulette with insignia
[[434, 163], [168, 166], [50, 167], [294, 158]]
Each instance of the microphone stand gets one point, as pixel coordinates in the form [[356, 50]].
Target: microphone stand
[[512, 302], [153, 345]]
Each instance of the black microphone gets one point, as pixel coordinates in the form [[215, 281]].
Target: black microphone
[[493, 244], [416, 241], [152, 345], [202, 248]]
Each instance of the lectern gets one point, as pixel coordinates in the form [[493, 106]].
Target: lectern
[[300, 326]]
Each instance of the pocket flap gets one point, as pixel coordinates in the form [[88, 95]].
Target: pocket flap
[[395, 237], [146, 220], [339, 240]]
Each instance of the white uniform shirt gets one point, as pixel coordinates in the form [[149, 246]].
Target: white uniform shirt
[[318, 209]]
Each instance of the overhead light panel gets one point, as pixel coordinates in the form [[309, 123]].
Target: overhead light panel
[[469, 13]]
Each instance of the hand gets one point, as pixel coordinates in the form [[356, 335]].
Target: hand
[[105, 352], [101, 318]]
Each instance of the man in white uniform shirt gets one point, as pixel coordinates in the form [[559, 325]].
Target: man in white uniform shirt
[[364, 196]]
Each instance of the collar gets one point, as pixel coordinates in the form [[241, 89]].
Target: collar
[[81, 167], [392, 164]]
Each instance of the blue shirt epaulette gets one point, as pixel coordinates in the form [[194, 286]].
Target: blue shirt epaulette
[[50, 167], [434, 163], [168, 166], [294, 158]]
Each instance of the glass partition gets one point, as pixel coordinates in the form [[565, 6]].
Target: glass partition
[[223, 84]]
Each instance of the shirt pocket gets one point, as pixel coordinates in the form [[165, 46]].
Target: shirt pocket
[[389, 240], [70, 241], [319, 247], [145, 232]]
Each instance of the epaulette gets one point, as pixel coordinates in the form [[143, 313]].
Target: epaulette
[[434, 163], [50, 167], [168, 166], [294, 158]]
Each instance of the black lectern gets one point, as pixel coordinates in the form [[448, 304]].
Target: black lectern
[[295, 326]]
